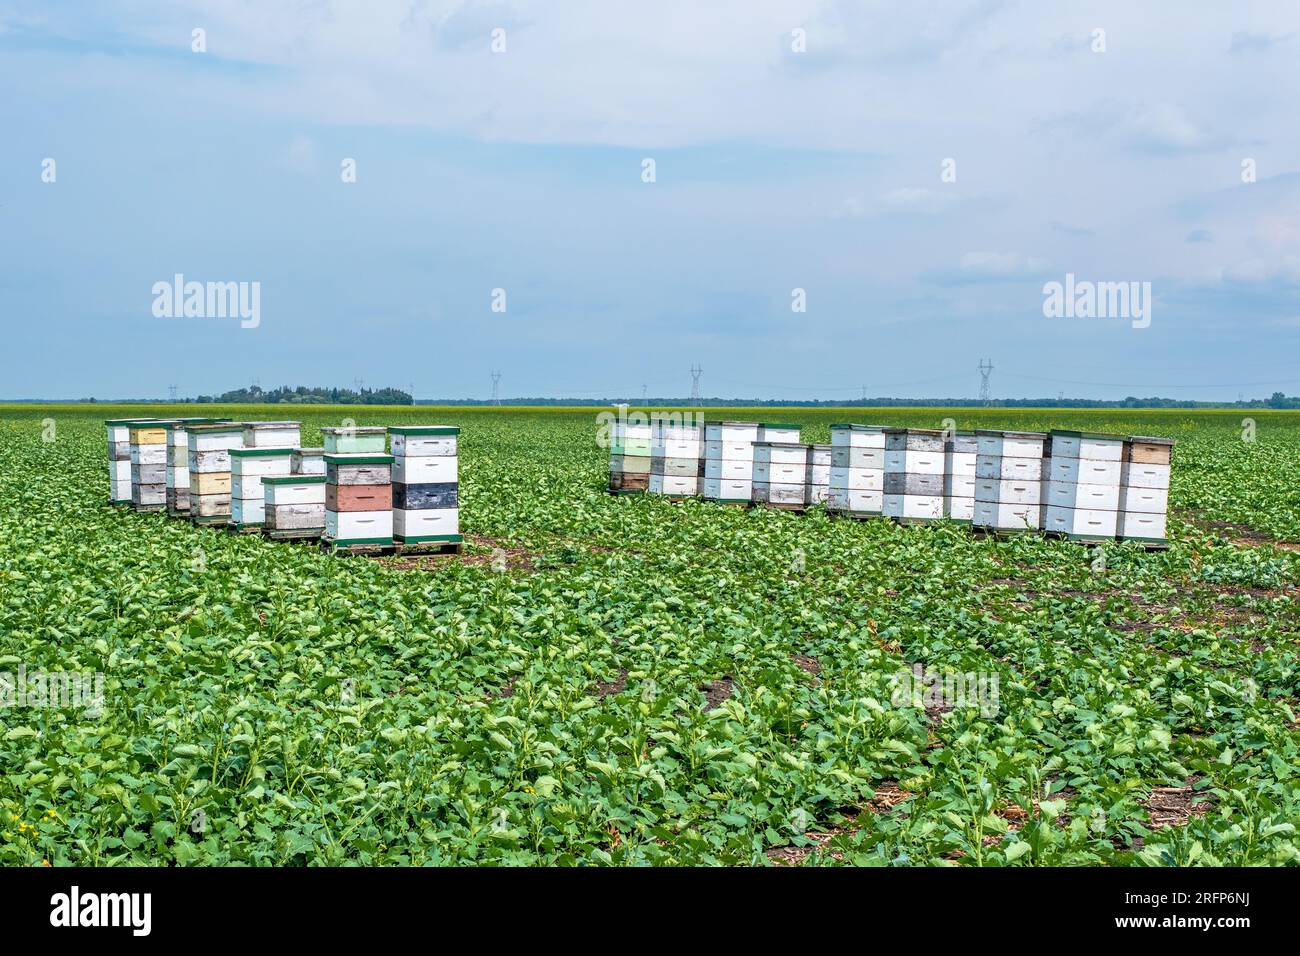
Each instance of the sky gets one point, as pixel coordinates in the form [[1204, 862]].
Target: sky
[[846, 195]]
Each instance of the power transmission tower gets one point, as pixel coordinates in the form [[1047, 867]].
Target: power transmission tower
[[358, 383], [864, 394], [411, 388], [986, 369], [496, 390], [643, 394], [171, 393], [696, 372]]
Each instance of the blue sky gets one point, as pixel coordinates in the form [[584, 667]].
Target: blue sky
[[775, 170]]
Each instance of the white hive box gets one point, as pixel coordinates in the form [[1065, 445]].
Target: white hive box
[[780, 474], [729, 461], [818, 475], [675, 486], [960, 451], [1145, 473], [856, 480], [1008, 480], [308, 461], [272, 434], [425, 492], [914, 472], [775, 432]]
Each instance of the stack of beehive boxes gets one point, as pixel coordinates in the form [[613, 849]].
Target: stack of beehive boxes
[[914, 471], [267, 450], [729, 461], [178, 464], [248, 466], [629, 457], [676, 448], [818, 476], [1081, 500], [358, 500], [857, 477], [208, 453], [425, 497], [960, 450], [148, 443], [362, 440], [294, 505], [119, 458], [1008, 480], [1144, 490], [781, 474]]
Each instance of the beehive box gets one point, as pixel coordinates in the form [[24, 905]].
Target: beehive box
[[1145, 472], [294, 505], [272, 434], [360, 489], [208, 459], [308, 461], [1008, 480], [676, 450], [356, 440], [857, 473], [629, 457], [914, 472], [118, 431], [818, 475], [1081, 494], [248, 466], [425, 494], [960, 450], [781, 474], [729, 461]]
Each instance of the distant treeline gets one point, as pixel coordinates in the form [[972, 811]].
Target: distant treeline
[[1278, 400], [305, 395]]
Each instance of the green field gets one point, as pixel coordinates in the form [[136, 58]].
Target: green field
[[603, 680]]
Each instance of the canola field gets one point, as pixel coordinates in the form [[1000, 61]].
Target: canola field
[[630, 681]]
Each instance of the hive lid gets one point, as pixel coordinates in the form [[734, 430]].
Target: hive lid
[[294, 480], [424, 429], [743, 424], [359, 459], [217, 428], [1098, 436], [189, 422], [356, 430], [781, 444], [775, 425], [1151, 439], [259, 452], [862, 428], [309, 451], [914, 431], [997, 432], [271, 424]]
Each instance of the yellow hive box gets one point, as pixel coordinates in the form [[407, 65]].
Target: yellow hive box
[[209, 483], [149, 436]]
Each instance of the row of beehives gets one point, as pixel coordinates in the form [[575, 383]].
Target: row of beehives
[[1084, 485], [256, 476]]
